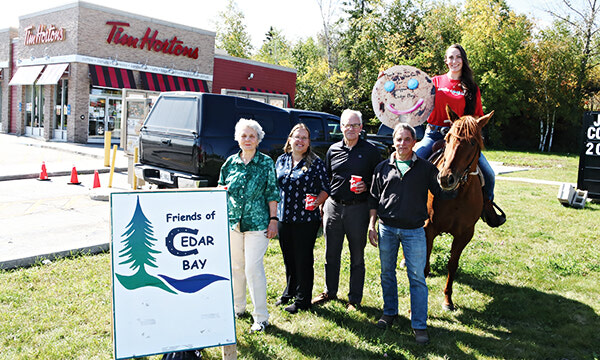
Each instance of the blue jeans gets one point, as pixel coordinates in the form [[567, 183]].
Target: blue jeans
[[424, 151], [414, 246]]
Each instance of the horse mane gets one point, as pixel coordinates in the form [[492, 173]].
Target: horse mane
[[466, 128]]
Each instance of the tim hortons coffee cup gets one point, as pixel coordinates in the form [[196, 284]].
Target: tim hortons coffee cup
[[353, 180], [311, 202]]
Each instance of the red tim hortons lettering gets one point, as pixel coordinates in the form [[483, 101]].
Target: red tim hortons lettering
[[116, 26], [149, 41]]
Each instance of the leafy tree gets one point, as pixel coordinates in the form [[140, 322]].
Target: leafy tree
[[328, 9], [438, 31], [497, 43], [555, 62], [313, 73], [275, 49], [232, 35], [583, 18]]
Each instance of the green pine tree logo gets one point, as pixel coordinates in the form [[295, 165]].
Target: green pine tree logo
[[138, 252]]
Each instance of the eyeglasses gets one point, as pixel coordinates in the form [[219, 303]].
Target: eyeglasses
[[303, 138], [353, 126]]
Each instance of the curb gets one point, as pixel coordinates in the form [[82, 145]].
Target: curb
[[33, 260], [58, 173]]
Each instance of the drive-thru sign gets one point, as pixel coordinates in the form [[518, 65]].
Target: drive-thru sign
[[171, 272]]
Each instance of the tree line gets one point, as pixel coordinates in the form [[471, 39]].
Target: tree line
[[539, 80]]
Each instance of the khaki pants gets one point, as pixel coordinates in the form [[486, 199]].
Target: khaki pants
[[247, 253]]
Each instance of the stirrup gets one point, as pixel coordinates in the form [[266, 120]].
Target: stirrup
[[497, 220]]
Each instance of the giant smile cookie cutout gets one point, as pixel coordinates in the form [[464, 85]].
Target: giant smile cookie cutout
[[403, 93]]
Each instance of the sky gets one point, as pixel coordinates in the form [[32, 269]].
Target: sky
[[298, 19]]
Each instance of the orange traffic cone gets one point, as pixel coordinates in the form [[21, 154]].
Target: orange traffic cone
[[74, 180], [96, 180], [44, 173]]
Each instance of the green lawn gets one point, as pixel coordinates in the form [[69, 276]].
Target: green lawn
[[526, 290]]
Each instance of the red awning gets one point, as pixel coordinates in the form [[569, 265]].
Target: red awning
[[289, 104], [112, 77], [160, 82]]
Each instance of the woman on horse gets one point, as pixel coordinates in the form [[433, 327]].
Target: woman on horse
[[457, 89]]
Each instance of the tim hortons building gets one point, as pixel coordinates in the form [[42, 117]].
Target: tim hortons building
[[64, 70]]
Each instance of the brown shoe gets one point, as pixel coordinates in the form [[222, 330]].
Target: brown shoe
[[385, 321], [352, 307], [421, 336], [322, 298], [490, 216]]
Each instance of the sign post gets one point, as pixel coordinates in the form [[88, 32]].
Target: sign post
[[171, 272]]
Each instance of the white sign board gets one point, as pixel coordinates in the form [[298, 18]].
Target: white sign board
[[171, 272]]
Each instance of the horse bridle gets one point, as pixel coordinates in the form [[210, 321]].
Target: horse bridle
[[465, 174]]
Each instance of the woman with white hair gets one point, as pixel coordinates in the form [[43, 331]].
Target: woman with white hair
[[251, 184]]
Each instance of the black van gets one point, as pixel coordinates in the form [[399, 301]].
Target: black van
[[187, 136]]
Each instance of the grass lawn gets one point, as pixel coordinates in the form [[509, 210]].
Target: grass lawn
[[526, 290]]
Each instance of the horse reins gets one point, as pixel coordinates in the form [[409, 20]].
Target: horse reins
[[463, 178]]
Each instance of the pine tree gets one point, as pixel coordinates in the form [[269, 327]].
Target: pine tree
[[137, 251], [139, 240]]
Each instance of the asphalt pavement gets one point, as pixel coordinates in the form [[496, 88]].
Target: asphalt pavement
[[70, 218], [79, 221]]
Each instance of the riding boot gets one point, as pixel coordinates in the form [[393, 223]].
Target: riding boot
[[490, 216]]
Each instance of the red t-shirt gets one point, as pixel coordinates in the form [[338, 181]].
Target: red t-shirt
[[449, 91]]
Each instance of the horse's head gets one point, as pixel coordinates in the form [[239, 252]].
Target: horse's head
[[463, 145]]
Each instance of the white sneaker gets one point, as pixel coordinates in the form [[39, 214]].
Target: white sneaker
[[259, 326]]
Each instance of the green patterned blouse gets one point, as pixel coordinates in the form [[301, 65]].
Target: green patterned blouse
[[250, 188]]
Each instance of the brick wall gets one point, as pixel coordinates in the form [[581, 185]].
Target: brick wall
[[232, 73]]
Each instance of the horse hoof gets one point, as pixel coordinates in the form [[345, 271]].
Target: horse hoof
[[448, 307]]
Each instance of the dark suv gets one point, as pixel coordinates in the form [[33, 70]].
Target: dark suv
[[187, 136]]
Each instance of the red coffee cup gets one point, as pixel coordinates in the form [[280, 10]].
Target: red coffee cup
[[353, 180], [311, 202]]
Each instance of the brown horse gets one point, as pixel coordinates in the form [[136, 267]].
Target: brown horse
[[458, 171]]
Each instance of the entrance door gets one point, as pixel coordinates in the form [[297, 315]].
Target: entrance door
[[104, 115], [60, 110], [34, 110], [114, 116]]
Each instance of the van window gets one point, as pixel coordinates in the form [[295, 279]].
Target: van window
[[174, 113], [315, 124]]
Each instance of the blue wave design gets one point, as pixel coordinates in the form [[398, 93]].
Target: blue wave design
[[194, 283]]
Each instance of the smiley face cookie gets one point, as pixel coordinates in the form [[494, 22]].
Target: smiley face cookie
[[403, 93]]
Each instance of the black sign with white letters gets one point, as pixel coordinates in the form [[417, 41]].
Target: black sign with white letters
[[589, 160]]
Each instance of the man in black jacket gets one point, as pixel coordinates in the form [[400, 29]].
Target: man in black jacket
[[399, 198]]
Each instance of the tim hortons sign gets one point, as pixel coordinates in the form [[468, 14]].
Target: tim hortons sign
[[43, 35], [149, 41]]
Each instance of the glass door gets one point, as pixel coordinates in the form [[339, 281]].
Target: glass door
[[97, 113], [34, 110], [60, 110], [114, 116], [104, 115]]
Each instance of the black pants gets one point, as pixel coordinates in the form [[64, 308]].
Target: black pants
[[351, 222], [297, 241]]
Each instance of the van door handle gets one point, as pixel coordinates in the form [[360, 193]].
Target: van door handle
[[166, 141]]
